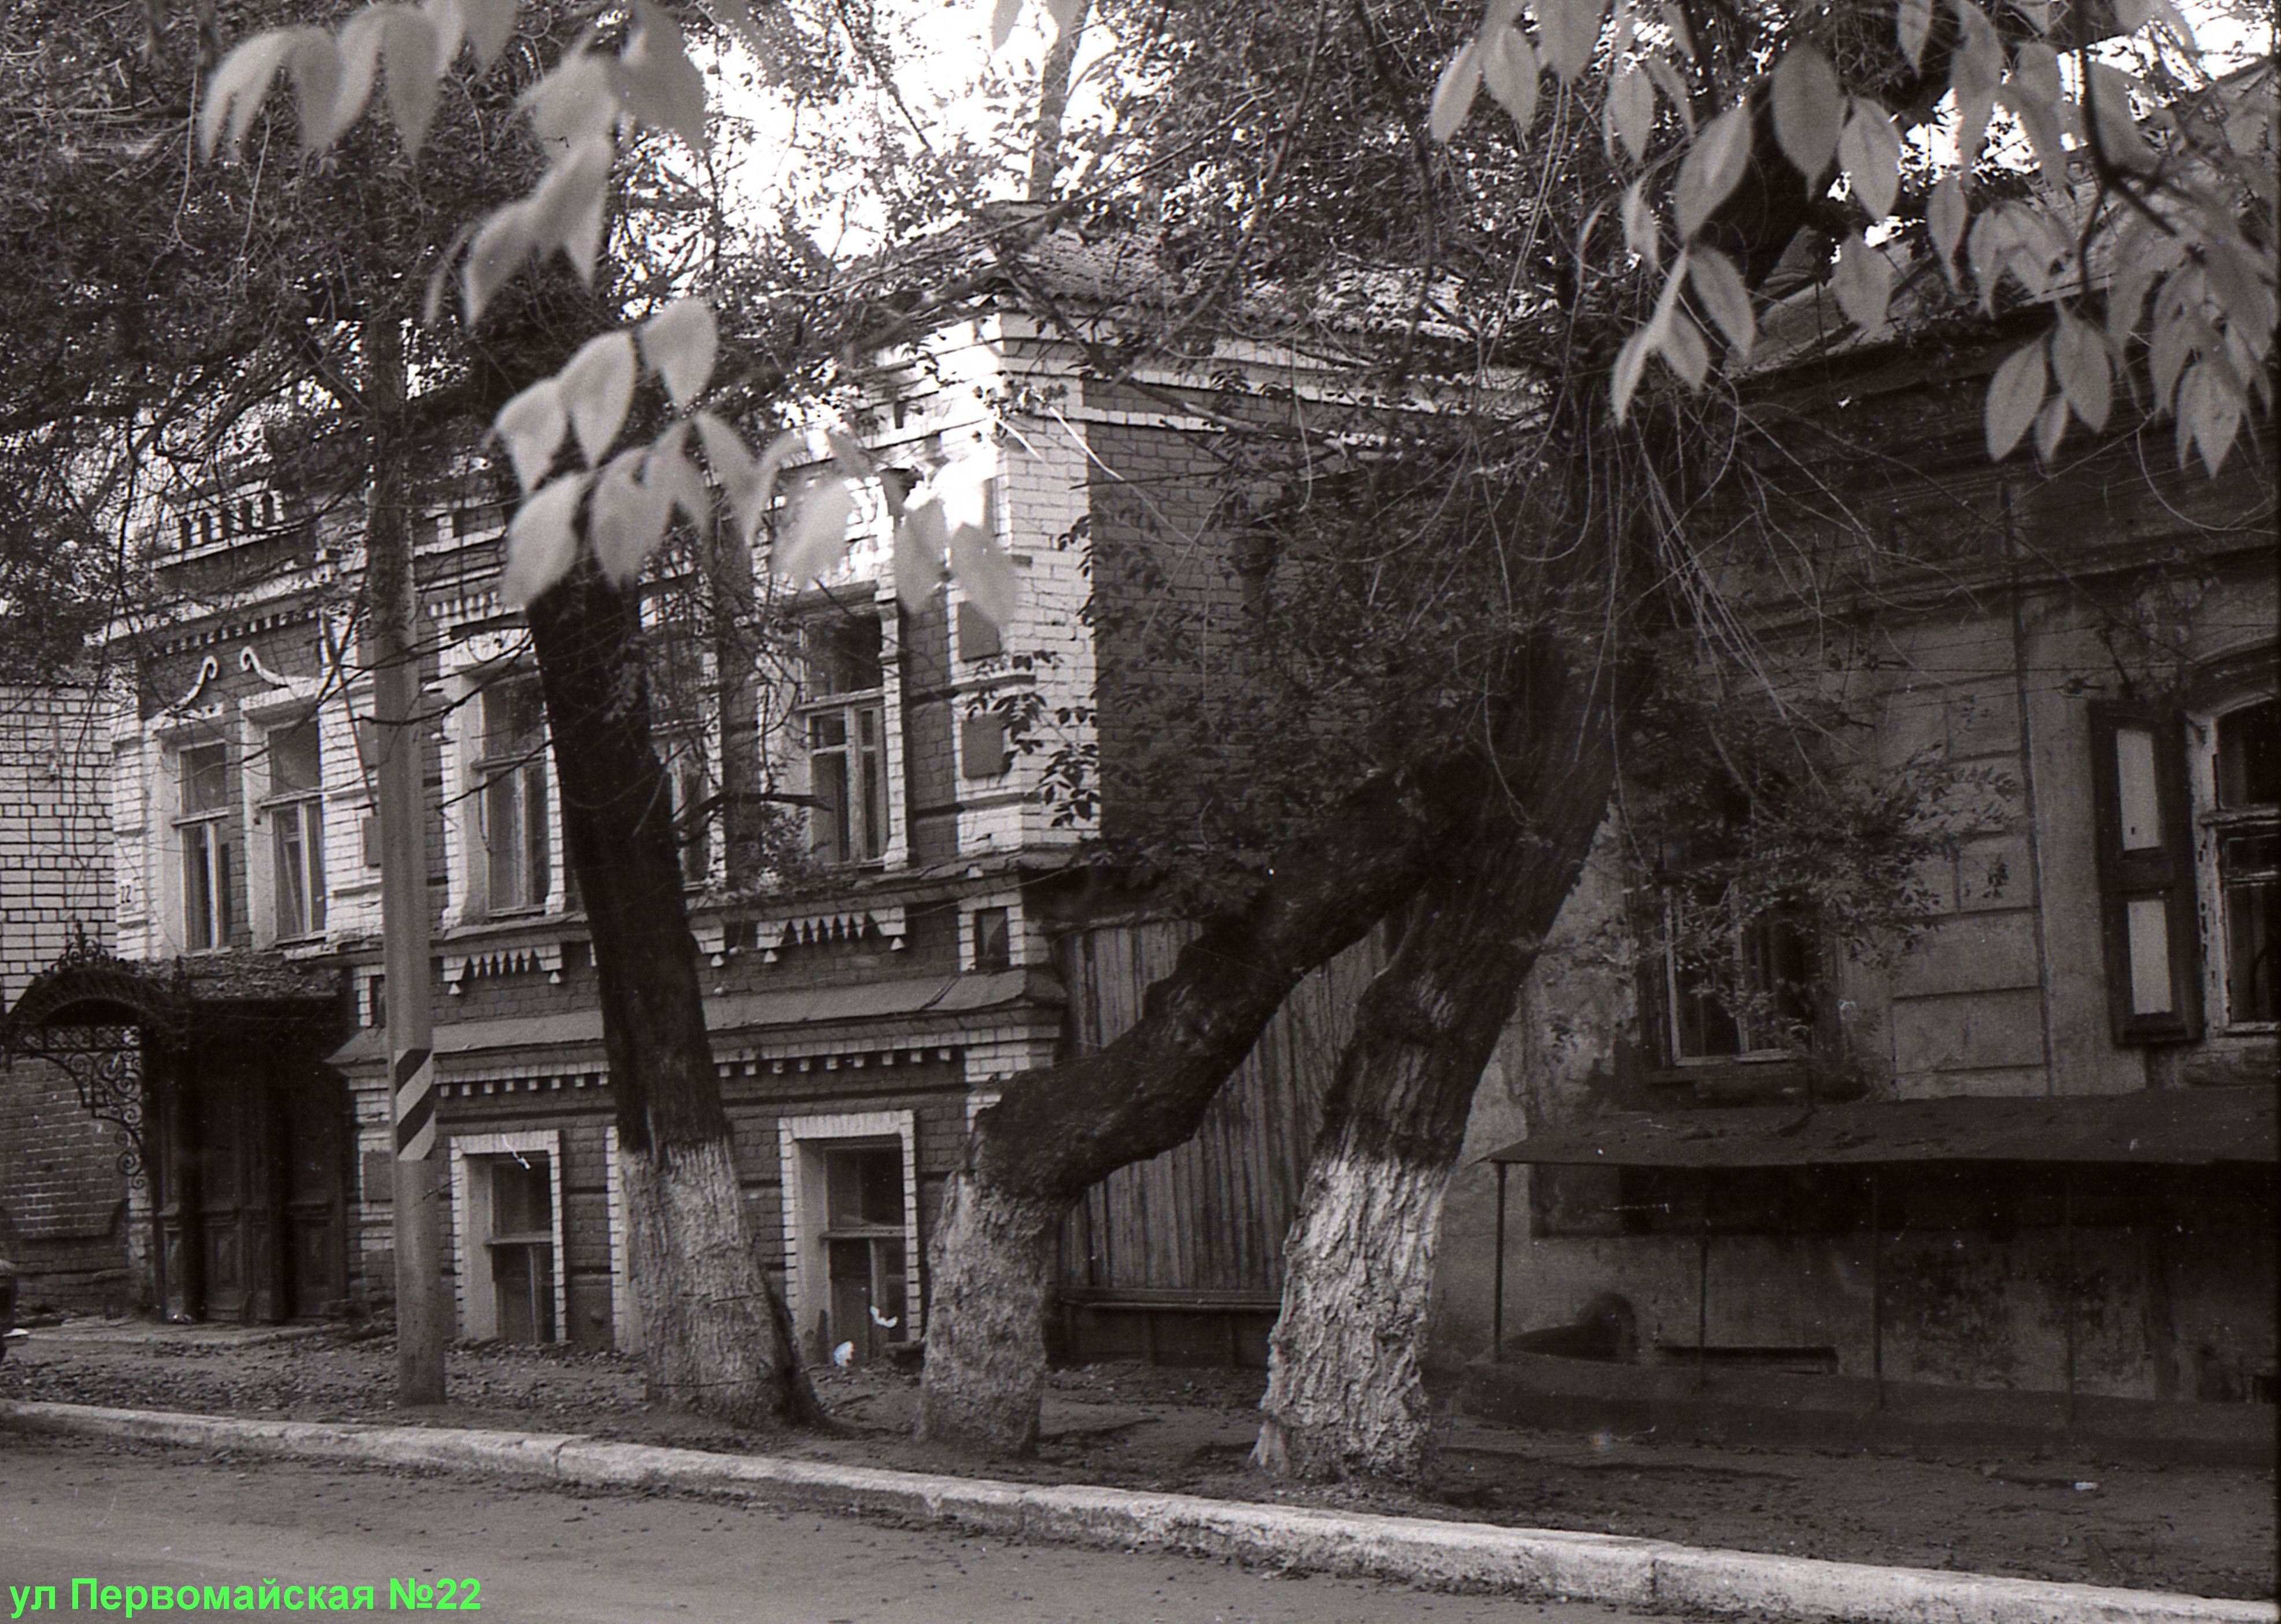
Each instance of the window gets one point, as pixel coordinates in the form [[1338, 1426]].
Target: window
[[846, 738], [207, 832], [296, 813], [2244, 823], [863, 1248], [1737, 985], [2145, 872], [512, 774], [851, 1233], [507, 1232], [992, 943], [521, 1247]]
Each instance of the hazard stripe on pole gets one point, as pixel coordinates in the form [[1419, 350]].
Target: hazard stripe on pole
[[415, 1104]]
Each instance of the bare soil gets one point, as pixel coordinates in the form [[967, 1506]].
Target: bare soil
[[2202, 1530]]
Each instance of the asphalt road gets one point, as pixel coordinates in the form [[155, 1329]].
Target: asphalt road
[[127, 1515]]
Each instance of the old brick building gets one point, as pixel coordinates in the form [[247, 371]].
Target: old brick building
[[2034, 1158], [915, 933], [65, 1172]]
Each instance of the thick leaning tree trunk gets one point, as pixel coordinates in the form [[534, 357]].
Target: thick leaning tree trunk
[[1345, 1391], [714, 1335], [1059, 1131]]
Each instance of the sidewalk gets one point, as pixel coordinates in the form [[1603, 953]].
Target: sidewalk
[[1136, 1455]]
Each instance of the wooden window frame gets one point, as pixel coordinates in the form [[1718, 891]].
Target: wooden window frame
[[2136, 878]]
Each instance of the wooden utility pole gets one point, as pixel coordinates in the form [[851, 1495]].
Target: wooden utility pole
[[422, 1325]]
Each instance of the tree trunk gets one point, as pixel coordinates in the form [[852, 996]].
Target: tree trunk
[[1053, 103], [1059, 1131], [1345, 1389], [714, 1335]]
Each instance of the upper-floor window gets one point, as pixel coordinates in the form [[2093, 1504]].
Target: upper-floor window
[[512, 771], [844, 727], [2244, 823], [1737, 980], [295, 811], [207, 831]]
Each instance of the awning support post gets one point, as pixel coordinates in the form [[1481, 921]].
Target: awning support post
[[1876, 1287], [2066, 1282], [1702, 1279], [1496, 1289]]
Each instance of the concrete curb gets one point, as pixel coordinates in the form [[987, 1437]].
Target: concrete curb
[[1644, 1574]]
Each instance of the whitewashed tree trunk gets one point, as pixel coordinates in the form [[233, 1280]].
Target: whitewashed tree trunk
[[1345, 1360], [992, 1270], [714, 1335]]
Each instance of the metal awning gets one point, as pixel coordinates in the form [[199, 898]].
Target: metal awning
[[2172, 1127]]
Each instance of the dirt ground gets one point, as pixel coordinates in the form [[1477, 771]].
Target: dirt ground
[[2208, 1531]]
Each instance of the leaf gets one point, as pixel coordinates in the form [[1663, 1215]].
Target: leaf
[[817, 539], [2210, 413], [542, 543], [782, 450], [415, 63], [656, 80], [1946, 215], [2240, 277], [1509, 69], [986, 577], [450, 25], [2013, 394], [2120, 141], [669, 471], [732, 468], [359, 55], [2081, 365], [1631, 360], [848, 452], [531, 425], [314, 64], [1642, 233], [1809, 107], [1631, 110], [597, 386], [628, 519], [1976, 71], [2177, 326], [566, 210], [1684, 347], [1064, 13], [678, 344], [2050, 428], [920, 539], [1674, 89], [1870, 149], [1714, 165], [2141, 255], [1990, 249], [1863, 284], [575, 102], [1719, 289], [1566, 32], [1912, 27], [1453, 96], [490, 24], [1002, 16], [1674, 20], [238, 87], [504, 241]]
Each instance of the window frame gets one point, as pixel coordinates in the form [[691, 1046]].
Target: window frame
[[2214, 822], [855, 829], [2147, 886], [514, 769], [298, 810], [804, 1146], [202, 846], [1752, 1046], [473, 1158]]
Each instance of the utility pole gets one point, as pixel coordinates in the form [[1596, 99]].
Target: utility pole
[[422, 1327]]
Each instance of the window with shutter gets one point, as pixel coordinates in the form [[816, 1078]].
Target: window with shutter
[[2145, 872]]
